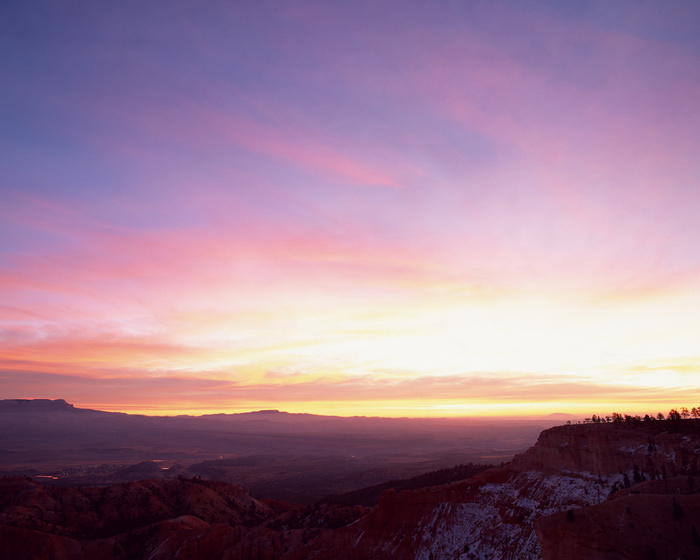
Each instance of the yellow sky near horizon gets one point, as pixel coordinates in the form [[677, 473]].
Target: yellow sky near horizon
[[439, 210]]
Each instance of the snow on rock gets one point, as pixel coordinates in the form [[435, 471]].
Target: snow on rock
[[497, 520], [492, 515]]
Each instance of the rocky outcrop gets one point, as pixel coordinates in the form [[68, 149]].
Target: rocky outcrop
[[487, 517], [656, 448], [157, 519], [550, 502], [34, 405], [96, 512], [493, 515], [656, 519], [182, 519]]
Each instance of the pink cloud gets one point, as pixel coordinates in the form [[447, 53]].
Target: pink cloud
[[176, 392], [563, 159], [590, 143], [305, 151], [183, 124], [104, 262]]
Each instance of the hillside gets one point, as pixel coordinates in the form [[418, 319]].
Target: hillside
[[277, 455], [593, 491], [655, 519], [156, 520], [494, 514]]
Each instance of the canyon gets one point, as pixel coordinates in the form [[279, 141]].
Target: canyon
[[619, 490], [277, 455]]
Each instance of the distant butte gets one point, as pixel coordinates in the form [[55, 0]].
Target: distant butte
[[55, 404]]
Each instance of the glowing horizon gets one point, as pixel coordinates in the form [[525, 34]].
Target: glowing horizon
[[377, 209]]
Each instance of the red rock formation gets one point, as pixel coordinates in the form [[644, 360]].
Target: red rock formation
[[167, 518], [155, 520], [613, 448], [654, 520], [492, 515]]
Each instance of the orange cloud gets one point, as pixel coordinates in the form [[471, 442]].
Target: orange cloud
[[425, 395]]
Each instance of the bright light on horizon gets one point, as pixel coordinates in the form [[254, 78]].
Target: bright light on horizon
[[276, 207], [418, 409]]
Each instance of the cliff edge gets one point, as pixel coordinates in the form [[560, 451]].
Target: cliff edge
[[614, 491], [572, 468]]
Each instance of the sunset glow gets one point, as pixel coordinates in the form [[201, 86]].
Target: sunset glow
[[381, 208]]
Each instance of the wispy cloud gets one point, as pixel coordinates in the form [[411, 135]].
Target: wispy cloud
[[363, 204]]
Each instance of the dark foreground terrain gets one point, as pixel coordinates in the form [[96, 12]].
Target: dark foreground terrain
[[587, 491], [295, 457]]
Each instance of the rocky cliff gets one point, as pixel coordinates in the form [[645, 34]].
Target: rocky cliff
[[656, 448], [583, 491], [120, 521], [493, 515], [182, 519], [653, 520]]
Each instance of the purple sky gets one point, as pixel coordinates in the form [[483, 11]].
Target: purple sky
[[390, 208]]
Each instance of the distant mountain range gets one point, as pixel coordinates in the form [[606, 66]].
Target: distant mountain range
[[596, 491], [297, 457]]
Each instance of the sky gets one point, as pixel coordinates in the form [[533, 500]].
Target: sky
[[410, 208]]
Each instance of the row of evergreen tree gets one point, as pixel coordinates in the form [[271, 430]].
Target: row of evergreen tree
[[673, 415]]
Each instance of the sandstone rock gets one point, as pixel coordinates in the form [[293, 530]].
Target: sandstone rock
[[654, 520], [612, 448], [557, 490], [492, 515]]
